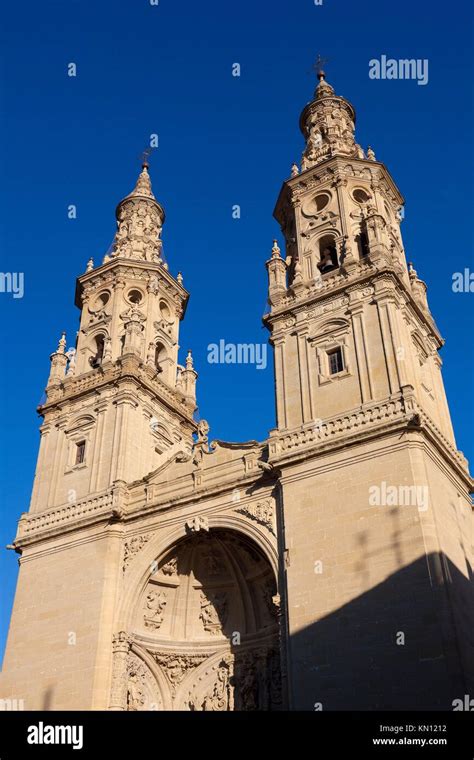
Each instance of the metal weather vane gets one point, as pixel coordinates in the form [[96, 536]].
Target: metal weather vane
[[145, 156], [319, 63]]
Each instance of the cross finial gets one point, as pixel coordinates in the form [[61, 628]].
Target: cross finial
[[318, 66], [145, 157]]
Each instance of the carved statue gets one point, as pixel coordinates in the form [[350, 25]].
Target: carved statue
[[107, 349], [221, 697], [248, 690], [202, 430], [71, 355], [154, 612], [153, 285], [135, 696], [213, 612], [213, 562], [171, 567]]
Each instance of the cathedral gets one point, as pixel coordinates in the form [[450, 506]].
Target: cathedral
[[326, 568]]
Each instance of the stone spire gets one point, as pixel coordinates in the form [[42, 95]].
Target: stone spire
[[59, 362], [323, 88], [328, 124], [143, 186], [140, 220]]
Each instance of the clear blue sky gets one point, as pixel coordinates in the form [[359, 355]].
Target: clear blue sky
[[166, 69]]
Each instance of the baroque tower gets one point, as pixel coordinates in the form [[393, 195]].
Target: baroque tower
[[327, 567], [131, 307], [377, 518]]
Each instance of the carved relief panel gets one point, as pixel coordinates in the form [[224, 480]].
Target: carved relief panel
[[208, 617]]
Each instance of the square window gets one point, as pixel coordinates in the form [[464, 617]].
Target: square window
[[336, 362], [80, 452]]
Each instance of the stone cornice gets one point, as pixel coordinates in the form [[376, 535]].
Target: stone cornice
[[124, 504], [113, 505], [120, 267], [115, 374], [371, 420], [56, 521], [338, 284], [311, 179]]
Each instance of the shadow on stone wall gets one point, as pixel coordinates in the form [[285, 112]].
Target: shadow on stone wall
[[350, 659]]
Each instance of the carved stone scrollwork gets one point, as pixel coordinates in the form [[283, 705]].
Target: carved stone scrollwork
[[196, 524], [171, 567], [220, 698], [177, 666], [141, 687], [202, 445], [329, 127], [262, 512], [132, 546], [139, 222], [153, 285]]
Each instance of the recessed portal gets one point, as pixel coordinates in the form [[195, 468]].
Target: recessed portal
[[208, 618]]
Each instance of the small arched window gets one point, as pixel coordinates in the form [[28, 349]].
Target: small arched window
[[362, 243], [327, 254], [160, 356], [96, 359]]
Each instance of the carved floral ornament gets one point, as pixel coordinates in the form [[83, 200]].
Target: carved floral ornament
[[177, 666], [327, 307], [262, 512], [170, 567], [197, 524], [132, 546]]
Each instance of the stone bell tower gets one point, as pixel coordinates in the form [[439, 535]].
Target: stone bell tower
[[341, 220], [119, 401], [375, 494], [118, 406]]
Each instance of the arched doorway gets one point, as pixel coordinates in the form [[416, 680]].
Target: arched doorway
[[207, 619]]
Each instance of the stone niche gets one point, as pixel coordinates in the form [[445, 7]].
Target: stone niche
[[207, 617]]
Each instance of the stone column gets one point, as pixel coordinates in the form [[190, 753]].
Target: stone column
[[57, 470], [115, 324], [279, 344], [43, 456], [301, 338], [96, 459], [121, 644], [119, 446], [390, 359], [398, 345], [357, 314]]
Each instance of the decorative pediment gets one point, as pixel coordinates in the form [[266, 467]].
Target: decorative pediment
[[330, 330], [421, 347], [84, 422]]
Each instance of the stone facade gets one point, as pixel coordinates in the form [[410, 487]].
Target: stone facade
[[326, 568]]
